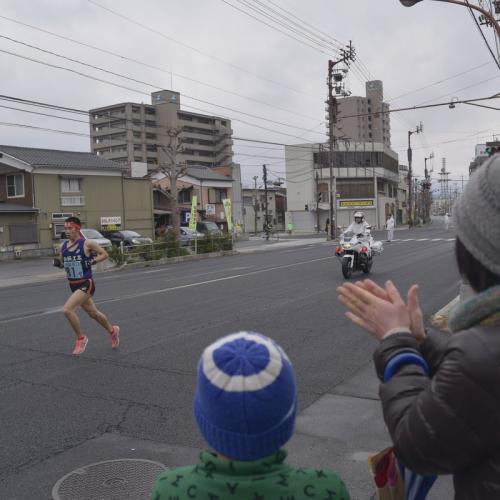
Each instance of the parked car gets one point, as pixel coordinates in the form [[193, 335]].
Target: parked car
[[208, 226], [128, 238], [93, 234], [186, 235]]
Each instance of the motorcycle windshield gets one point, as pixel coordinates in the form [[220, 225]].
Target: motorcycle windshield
[[348, 236]]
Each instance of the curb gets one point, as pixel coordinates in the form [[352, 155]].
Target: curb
[[174, 260]]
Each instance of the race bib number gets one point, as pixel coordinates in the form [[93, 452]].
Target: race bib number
[[74, 269]]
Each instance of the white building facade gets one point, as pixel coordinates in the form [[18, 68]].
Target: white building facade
[[367, 179]]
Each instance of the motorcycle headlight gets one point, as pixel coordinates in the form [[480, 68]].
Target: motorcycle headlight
[[347, 245]]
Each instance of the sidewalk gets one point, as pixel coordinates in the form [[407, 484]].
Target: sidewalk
[[23, 271]]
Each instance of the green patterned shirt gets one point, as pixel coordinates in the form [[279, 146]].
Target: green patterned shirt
[[265, 479]]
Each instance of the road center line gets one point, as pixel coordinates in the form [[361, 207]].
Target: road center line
[[58, 310]]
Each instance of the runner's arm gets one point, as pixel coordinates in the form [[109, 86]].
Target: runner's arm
[[92, 247]]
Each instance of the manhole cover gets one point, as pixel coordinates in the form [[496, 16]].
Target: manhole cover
[[112, 480]]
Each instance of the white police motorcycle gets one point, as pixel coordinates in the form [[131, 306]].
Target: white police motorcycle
[[356, 252]]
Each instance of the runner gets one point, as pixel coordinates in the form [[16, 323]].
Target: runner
[[77, 257]]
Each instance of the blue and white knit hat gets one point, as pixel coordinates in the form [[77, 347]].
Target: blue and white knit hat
[[246, 397]]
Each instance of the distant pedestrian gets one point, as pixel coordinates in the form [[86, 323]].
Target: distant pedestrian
[[390, 228], [245, 407], [446, 222], [77, 257], [327, 226], [290, 228]]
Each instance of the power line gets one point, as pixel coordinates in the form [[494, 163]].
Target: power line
[[77, 61], [482, 33], [185, 45], [440, 81], [157, 68], [273, 27]]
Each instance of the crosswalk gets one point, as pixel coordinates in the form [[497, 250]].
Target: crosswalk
[[400, 240]]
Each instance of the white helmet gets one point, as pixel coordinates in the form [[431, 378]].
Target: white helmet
[[359, 215]]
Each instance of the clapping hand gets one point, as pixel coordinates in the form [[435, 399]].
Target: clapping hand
[[380, 310]]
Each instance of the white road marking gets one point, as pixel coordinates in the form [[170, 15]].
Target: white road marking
[[173, 288]]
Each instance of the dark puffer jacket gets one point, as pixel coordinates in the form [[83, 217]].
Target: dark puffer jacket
[[449, 424]]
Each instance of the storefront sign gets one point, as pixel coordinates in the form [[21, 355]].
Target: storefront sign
[[356, 203]]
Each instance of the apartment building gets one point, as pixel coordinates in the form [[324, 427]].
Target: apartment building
[[128, 132], [364, 119]]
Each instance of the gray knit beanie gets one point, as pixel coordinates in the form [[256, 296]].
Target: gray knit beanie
[[477, 214]]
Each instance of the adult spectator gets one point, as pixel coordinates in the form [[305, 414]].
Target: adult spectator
[[447, 422]]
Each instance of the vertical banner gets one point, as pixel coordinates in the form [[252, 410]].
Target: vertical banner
[[192, 218], [227, 209]]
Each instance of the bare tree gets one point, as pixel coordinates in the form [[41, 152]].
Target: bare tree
[[172, 168]]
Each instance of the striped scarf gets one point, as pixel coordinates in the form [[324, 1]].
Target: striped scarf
[[482, 308]]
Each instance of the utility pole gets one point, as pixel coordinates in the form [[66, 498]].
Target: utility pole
[[266, 217], [255, 204], [348, 55], [426, 190], [418, 129], [318, 195]]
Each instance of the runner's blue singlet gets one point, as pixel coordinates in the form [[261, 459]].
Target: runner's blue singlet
[[76, 264]]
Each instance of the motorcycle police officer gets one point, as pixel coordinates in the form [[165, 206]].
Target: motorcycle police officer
[[359, 226]]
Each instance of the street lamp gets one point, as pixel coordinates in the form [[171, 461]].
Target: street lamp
[[418, 130], [491, 20]]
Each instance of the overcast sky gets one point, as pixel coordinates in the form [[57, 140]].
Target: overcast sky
[[235, 66]]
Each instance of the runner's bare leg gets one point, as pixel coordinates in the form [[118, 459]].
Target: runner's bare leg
[[90, 308], [77, 298]]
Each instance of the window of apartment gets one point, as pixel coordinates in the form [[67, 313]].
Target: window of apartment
[[223, 123], [137, 158], [151, 147], [71, 185], [185, 195], [149, 135], [150, 123], [15, 186], [185, 117], [72, 201], [137, 135], [150, 111], [117, 124], [370, 126], [369, 118], [152, 161], [136, 123], [136, 109], [204, 120], [203, 142], [370, 135], [137, 147], [216, 195]]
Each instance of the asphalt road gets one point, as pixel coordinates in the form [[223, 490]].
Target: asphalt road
[[58, 413]]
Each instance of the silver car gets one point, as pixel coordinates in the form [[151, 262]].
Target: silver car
[[186, 235], [93, 234]]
